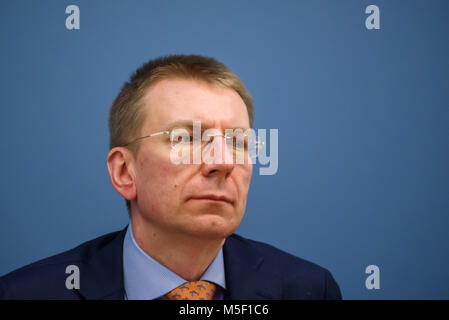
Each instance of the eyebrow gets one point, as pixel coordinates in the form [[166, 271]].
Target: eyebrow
[[189, 124]]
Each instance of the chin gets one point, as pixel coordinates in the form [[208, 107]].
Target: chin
[[213, 226]]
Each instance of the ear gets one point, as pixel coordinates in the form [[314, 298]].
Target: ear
[[121, 172]]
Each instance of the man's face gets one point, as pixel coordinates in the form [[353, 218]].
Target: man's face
[[177, 197]]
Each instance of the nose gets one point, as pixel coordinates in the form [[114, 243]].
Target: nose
[[217, 157]]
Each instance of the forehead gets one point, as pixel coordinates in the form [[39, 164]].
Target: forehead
[[172, 100]]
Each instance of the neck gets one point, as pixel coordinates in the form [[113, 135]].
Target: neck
[[186, 255]]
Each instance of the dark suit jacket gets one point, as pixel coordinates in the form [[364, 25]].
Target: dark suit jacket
[[254, 271]]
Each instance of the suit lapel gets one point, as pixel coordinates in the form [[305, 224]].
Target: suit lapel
[[246, 278], [101, 276]]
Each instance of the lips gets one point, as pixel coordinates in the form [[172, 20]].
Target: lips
[[213, 197]]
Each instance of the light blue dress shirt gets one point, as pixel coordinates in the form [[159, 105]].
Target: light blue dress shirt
[[147, 279]]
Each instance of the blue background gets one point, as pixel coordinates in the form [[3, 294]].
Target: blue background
[[363, 121]]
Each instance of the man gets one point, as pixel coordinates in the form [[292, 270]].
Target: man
[[180, 243]]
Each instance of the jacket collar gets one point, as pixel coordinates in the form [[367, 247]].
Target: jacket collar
[[102, 277], [246, 278]]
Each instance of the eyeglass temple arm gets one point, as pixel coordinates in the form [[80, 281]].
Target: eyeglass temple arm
[[148, 136]]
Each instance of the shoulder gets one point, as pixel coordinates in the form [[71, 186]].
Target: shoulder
[[271, 254], [299, 277], [45, 279]]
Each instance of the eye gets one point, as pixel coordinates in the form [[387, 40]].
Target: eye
[[241, 141], [240, 144], [178, 135]]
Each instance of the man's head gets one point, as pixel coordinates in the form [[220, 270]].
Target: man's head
[[160, 93]]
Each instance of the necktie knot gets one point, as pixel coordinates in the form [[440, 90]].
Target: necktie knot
[[194, 290]]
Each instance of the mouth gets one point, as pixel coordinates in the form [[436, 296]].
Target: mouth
[[212, 197]]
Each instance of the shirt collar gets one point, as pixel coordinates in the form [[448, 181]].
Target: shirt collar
[[147, 279]]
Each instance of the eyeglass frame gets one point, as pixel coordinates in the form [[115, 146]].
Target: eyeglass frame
[[259, 144]]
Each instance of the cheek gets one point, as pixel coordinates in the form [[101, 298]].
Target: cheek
[[157, 183], [244, 179], [151, 177], [247, 172]]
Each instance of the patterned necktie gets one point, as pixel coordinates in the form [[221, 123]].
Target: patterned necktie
[[195, 290]]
